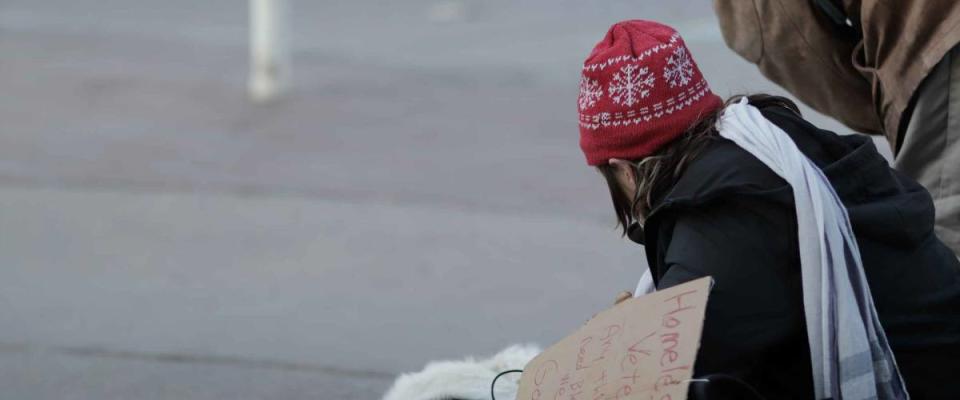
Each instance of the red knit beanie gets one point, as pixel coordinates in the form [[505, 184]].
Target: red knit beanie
[[640, 89]]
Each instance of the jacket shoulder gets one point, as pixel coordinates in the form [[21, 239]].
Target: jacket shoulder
[[722, 168]]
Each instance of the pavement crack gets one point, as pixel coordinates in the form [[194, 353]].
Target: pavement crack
[[188, 358]]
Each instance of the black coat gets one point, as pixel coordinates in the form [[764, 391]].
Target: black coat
[[732, 218]]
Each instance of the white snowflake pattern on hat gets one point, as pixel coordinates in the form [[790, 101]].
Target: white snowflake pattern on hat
[[590, 92], [630, 84], [679, 69]]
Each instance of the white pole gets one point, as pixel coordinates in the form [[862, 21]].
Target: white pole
[[269, 49]]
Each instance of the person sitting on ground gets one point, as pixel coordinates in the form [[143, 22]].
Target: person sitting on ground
[[829, 279]]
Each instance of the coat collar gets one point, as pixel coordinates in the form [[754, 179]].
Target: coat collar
[[860, 175]]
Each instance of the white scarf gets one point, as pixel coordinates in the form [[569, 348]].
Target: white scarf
[[849, 352]]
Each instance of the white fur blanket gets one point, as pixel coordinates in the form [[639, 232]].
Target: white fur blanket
[[468, 379]]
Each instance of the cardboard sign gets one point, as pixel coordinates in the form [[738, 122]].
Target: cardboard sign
[[643, 348]]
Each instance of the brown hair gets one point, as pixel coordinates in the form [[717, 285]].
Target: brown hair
[[658, 173]]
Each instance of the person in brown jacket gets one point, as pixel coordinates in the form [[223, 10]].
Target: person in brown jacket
[[878, 66]]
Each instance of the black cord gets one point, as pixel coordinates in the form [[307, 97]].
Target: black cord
[[716, 378], [494, 383], [722, 386]]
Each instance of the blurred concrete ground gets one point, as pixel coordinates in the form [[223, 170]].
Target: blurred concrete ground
[[419, 195]]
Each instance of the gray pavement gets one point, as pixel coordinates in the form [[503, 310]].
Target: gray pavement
[[419, 195]]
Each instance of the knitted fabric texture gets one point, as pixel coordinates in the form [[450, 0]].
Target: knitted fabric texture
[[639, 90]]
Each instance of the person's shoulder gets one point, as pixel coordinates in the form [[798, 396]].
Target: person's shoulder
[[787, 119], [722, 168]]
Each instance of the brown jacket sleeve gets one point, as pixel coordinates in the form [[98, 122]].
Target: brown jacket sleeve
[[799, 49]]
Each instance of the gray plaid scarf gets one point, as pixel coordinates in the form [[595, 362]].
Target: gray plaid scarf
[[849, 351]]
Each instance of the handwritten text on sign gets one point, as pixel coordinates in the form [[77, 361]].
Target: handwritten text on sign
[[643, 348]]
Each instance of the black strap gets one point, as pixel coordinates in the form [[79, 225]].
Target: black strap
[[722, 387], [839, 17]]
